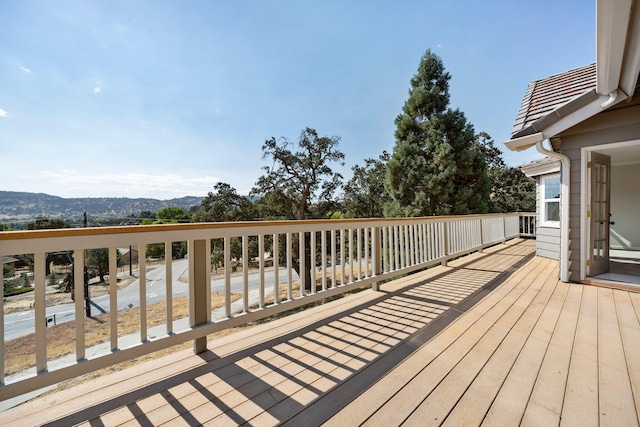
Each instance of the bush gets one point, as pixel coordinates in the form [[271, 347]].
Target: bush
[[16, 286]]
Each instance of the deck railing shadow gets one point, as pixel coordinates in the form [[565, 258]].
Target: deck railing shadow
[[328, 362]]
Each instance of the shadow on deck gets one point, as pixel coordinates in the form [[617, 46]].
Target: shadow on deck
[[433, 347]]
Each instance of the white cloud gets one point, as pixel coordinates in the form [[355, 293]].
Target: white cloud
[[70, 183], [96, 89], [25, 69], [4, 113]]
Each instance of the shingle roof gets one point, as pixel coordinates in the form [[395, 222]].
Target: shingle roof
[[544, 96]]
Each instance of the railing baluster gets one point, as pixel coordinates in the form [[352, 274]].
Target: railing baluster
[[312, 235], [323, 262], [375, 256], [303, 263], [412, 245], [245, 273], [168, 264], [78, 292], [359, 231], [227, 276], [142, 259], [289, 273], [275, 256], [367, 259], [39, 282], [396, 248], [207, 258], [342, 258], [385, 249], [403, 240], [333, 258], [261, 267]]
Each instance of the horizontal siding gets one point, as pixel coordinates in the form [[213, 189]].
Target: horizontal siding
[[548, 232], [547, 254], [548, 242]]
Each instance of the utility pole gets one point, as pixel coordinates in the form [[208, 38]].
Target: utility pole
[[87, 300]]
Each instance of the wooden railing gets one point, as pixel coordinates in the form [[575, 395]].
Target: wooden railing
[[340, 255]]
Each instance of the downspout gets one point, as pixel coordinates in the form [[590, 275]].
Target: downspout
[[565, 178]]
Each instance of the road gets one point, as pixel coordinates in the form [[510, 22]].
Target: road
[[22, 323]]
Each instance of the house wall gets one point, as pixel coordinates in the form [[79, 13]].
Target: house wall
[[547, 238], [617, 125], [625, 206]]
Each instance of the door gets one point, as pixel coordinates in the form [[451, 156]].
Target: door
[[600, 206]]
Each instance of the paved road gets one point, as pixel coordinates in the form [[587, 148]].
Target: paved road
[[22, 323]]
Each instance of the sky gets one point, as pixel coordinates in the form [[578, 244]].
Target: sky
[[165, 98]]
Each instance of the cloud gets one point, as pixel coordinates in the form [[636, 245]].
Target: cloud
[[70, 183], [25, 69], [4, 113], [96, 89]]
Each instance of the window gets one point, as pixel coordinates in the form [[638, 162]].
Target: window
[[550, 200]]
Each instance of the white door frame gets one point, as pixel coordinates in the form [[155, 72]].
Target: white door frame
[[585, 200]]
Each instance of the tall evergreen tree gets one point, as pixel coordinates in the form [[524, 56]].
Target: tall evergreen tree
[[436, 168]]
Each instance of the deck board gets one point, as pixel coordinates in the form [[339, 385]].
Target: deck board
[[616, 402], [580, 406], [475, 403], [492, 339]]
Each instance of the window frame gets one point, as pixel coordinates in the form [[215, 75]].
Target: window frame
[[544, 200]]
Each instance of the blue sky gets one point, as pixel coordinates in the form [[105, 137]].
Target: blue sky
[[164, 98]]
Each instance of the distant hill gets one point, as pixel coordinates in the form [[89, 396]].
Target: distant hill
[[20, 207]]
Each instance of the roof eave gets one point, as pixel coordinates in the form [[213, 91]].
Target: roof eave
[[536, 169], [563, 119]]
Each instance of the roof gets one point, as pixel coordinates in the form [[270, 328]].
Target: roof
[[543, 166], [8, 260], [544, 97]]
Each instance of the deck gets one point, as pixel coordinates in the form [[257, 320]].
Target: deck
[[492, 339]]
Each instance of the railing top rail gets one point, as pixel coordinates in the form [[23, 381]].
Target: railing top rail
[[154, 228]]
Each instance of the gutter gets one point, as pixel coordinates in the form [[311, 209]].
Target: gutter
[[565, 179]]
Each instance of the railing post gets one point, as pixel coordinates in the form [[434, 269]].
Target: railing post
[[376, 256], [39, 278], [198, 294]]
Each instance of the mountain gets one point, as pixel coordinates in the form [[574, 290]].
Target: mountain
[[21, 207]]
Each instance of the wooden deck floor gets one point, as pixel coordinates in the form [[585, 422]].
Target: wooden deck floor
[[492, 339]]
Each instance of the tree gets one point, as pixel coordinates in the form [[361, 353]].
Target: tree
[[42, 223], [435, 168], [224, 204], [511, 189], [98, 262], [300, 184], [168, 215], [172, 215], [364, 193], [58, 258], [302, 181]]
